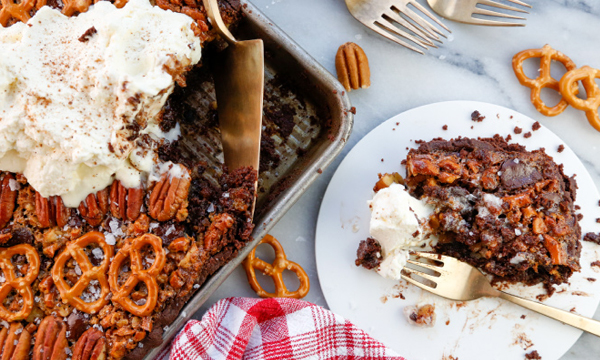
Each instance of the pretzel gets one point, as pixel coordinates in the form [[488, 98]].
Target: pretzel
[[89, 272], [73, 7], [545, 79], [22, 285], [148, 277], [275, 271], [18, 10], [587, 76]]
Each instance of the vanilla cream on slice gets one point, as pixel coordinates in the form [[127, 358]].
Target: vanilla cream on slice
[[77, 93]]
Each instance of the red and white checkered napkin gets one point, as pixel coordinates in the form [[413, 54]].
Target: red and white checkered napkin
[[261, 329]]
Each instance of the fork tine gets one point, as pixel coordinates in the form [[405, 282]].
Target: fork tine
[[429, 14], [427, 255], [486, 22], [429, 277], [495, 13], [519, 3], [426, 26], [425, 265], [400, 20], [377, 27], [501, 6], [395, 30], [419, 284]]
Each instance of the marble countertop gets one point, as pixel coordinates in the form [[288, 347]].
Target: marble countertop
[[474, 63]]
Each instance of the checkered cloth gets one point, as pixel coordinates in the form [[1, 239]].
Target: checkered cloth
[[262, 329]]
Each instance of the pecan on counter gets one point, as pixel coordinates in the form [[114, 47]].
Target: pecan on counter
[[352, 67]]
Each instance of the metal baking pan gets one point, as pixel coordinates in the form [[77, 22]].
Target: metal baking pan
[[322, 125]]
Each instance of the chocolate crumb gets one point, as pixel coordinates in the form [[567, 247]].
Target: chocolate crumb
[[447, 322], [598, 220], [397, 123], [533, 356], [353, 110], [592, 237], [591, 279], [573, 309], [88, 34], [579, 217], [518, 130], [381, 159], [511, 116], [523, 316], [595, 263], [508, 137], [445, 127], [476, 116], [416, 233], [577, 207], [536, 126], [319, 171], [527, 135], [471, 127]]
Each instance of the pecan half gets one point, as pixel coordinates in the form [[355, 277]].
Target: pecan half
[[125, 203], [90, 346], [352, 67], [169, 197], [8, 195], [94, 207], [51, 340], [51, 211], [15, 342]]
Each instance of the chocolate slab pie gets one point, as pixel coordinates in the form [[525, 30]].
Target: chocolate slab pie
[[497, 206], [103, 279]]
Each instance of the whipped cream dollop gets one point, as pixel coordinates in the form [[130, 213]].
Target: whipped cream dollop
[[399, 223], [77, 94]]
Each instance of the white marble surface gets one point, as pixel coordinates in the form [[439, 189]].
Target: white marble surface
[[473, 64]]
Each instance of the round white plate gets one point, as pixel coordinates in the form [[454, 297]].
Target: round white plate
[[485, 328]]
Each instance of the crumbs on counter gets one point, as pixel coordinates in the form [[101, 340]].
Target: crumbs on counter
[[381, 159], [476, 116], [598, 220], [445, 127], [577, 207], [508, 137], [579, 217], [561, 148], [422, 316], [591, 279], [533, 355], [536, 126], [471, 127], [527, 135], [511, 116], [518, 130], [595, 238], [573, 309], [523, 316], [595, 263], [353, 110], [319, 171]]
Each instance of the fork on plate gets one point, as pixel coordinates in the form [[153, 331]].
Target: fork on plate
[[463, 11], [396, 21], [456, 280]]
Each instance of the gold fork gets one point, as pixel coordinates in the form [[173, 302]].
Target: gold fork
[[463, 11], [457, 280], [395, 20]]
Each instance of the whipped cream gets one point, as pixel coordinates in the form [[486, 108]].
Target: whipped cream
[[398, 222], [77, 93]]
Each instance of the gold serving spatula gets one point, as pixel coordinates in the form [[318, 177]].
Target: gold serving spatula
[[239, 84]]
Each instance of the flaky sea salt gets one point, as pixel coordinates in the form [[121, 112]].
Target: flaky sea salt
[[110, 239]]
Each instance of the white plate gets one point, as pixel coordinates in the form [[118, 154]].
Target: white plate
[[485, 328]]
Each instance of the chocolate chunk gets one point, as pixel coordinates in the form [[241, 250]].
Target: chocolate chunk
[[518, 130], [76, 325], [368, 254], [88, 34], [476, 116], [516, 173], [592, 237]]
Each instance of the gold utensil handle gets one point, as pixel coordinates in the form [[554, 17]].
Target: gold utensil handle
[[578, 321]]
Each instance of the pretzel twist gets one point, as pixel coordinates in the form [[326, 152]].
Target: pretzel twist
[[18, 10], [138, 274], [545, 79], [22, 285], [72, 7], [587, 76], [275, 271], [89, 272]]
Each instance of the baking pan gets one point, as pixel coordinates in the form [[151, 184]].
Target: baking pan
[[298, 89]]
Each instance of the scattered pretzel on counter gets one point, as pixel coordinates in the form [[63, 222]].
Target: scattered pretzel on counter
[[275, 271], [89, 272], [587, 76], [22, 285], [545, 79]]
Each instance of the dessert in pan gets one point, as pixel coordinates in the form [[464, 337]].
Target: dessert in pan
[[107, 227], [495, 205]]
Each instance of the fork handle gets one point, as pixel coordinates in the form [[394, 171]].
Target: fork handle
[[577, 321]]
